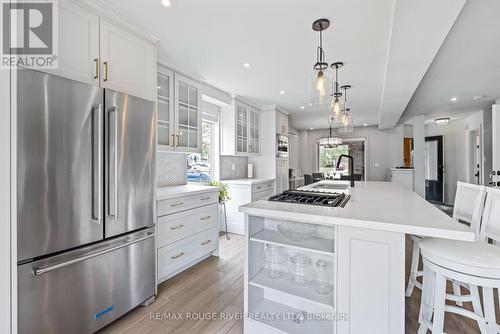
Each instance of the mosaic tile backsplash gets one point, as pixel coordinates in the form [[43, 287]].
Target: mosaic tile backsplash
[[171, 168], [240, 170]]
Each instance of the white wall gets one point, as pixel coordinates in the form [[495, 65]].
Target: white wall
[[419, 155], [480, 120], [384, 150], [454, 154]]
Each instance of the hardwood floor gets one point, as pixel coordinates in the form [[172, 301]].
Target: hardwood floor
[[216, 285]]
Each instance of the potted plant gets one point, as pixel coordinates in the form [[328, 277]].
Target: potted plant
[[223, 198]]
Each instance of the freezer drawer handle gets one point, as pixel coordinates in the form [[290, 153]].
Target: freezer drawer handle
[[41, 271], [178, 255], [177, 227], [205, 242], [176, 204], [205, 218]]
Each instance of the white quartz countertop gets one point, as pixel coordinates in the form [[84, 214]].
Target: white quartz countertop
[[246, 181], [163, 193], [383, 206]]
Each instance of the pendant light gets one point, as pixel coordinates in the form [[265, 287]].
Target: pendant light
[[321, 77], [331, 141], [347, 122], [335, 102]]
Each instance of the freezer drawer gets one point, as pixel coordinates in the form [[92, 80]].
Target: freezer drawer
[[82, 291]]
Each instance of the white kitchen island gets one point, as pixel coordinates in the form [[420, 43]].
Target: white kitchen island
[[364, 246]]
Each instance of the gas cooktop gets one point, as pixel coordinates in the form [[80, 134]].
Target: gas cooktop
[[332, 199]]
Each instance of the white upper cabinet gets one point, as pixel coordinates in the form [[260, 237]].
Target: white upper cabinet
[[188, 114], [97, 52], [240, 129], [128, 62], [281, 123], [78, 35], [165, 107]]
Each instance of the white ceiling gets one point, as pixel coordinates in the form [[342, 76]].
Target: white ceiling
[[387, 45], [467, 66]]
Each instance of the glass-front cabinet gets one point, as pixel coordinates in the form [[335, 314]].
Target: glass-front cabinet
[[179, 114], [241, 129]]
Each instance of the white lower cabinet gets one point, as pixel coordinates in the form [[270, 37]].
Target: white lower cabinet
[[188, 232], [241, 194]]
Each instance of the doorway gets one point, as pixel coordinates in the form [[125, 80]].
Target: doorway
[[475, 157], [434, 185]]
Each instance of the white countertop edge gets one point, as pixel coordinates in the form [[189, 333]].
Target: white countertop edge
[[464, 235], [163, 193], [247, 181]]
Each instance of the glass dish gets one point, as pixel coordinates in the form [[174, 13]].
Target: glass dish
[[297, 231], [275, 261], [301, 271]]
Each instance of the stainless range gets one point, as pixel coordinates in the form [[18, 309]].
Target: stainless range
[[333, 199]]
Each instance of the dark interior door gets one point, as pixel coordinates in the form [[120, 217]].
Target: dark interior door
[[434, 169]]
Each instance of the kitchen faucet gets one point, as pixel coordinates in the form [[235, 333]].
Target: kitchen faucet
[[351, 166]]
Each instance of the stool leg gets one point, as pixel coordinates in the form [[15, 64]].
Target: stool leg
[[476, 304], [457, 292], [414, 268], [489, 309], [426, 301], [439, 300]]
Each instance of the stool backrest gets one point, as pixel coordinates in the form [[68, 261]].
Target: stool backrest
[[469, 204], [490, 228]]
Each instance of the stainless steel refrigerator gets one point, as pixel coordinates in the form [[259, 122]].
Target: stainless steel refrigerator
[[85, 204]]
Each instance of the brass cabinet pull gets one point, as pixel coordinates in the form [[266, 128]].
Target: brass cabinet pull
[[96, 60], [105, 64], [205, 218], [177, 227], [205, 198], [178, 255], [176, 204], [205, 242]]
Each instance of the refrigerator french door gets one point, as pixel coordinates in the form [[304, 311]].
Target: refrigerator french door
[[85, 204]]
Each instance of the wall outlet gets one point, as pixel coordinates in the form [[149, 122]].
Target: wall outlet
[[233, 167]]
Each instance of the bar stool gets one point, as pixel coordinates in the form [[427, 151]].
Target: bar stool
[[469, 201], [476, 264]]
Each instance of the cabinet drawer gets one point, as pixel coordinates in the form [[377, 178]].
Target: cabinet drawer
[[182, 203], [183, 224], [262, 186], [262, 195], [180, 254]]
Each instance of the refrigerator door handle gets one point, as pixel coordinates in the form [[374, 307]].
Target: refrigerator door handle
[[113, 167], [40, 271], [97, 137]]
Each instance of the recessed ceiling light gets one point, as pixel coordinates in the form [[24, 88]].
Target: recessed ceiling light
[[453, 99], [311, 128], [282, 92], [365, 124], [478, 97], [442, 121], [302, 107], [246, 65], [166, 3]]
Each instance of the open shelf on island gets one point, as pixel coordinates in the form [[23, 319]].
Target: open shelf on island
[[289, 290], [316, 245], [266, 306]]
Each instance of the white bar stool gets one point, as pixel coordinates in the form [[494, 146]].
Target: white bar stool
[[476, 264], [469, 201]]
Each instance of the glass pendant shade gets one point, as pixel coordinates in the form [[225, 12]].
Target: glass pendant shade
[[347, 124], [330, 141], [319, 88]]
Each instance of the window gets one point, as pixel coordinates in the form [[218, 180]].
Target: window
[[328, 157], [202, 166]]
